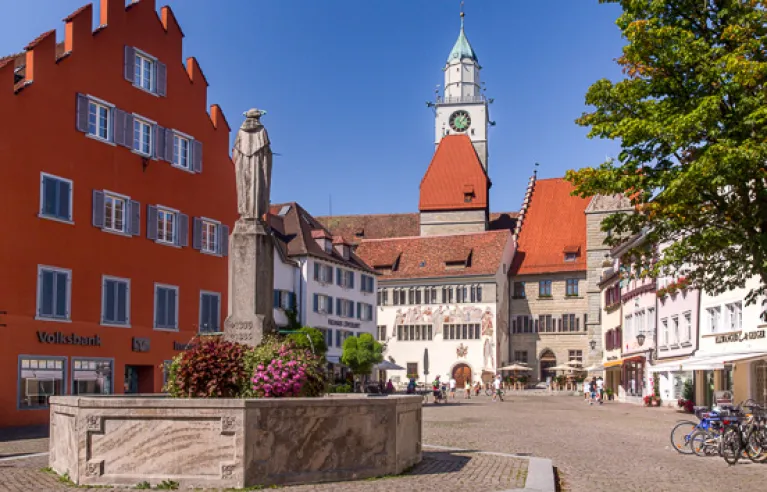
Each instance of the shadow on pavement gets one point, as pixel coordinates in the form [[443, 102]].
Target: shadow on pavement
[[23, 433], [440, 462]]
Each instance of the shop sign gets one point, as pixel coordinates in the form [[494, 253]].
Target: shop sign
[[345, 324], [59, 338], [182, 346], [736, 337], [140, 344]]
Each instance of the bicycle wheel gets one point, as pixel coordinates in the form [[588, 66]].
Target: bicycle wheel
[[699, 443], [756, 445], [730, 448], [680, 436]]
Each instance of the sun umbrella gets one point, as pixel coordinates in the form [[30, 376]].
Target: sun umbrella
[[426, 362], [388, 366], [573, 363], [561, 368], [516, 367], [595, 368]]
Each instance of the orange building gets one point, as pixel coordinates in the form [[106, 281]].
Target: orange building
[[116, 196]]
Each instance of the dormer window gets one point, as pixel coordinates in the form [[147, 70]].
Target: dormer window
[[571, 253], [468, 193], [322, 238], [342, 247]]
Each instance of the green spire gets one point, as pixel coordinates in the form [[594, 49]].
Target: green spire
[[462, 48]]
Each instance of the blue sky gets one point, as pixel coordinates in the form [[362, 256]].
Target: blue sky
[[345, 84]]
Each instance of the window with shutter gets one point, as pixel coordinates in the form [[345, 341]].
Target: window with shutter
[[100, 120], [182, 238], [143, 137], [196, 156], [223, 235], [55, 197], [115, 213], [181, 151], [53, 293], [210, 308], [115, 308], [162, 79], [166, 307]]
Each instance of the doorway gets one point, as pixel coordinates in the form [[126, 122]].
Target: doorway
[[139, 379], [547, 360], [462, 375]]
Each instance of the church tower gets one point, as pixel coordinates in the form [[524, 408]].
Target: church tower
[[455, 191], [463, 109]]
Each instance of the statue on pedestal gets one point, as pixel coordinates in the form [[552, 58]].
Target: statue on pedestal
[[251, 259], [252, 156]]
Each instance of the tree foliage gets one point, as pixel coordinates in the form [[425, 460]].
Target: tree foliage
[[361, 353], [309, 338], [691, 115]]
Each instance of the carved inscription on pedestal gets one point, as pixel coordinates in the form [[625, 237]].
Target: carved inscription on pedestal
[[239, 331]]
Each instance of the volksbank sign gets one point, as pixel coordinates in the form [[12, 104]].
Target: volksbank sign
[[72, 339]]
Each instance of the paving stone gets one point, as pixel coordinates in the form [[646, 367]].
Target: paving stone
[[614, 447]]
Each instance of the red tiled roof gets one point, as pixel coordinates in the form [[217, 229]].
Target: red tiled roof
[[454, 171], [426, 256], [294, 232], [77, 12], [555, 223], [355, 228], [39, 38], [340, 240]]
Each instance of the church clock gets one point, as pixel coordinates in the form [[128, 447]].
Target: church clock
[[460, 121]]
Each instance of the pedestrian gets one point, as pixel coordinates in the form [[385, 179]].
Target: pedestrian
[[389, 387], [497, 386], [453, 384], [593, 389], [601, 390], [411, 386], [477, 388], [586, 390], [467, 391], [435, 388]]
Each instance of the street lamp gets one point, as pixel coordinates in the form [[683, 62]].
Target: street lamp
[[640, 339], [593, 344]]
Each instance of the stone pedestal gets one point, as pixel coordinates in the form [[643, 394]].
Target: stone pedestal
[[251, 283]]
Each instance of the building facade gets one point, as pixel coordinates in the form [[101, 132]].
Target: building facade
[[112, 260], [548, 278], [320, 277], [612, 327], [445, 295], [732, 353], [639, 313]]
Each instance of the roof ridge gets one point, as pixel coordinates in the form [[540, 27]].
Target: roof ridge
[[435, 236]]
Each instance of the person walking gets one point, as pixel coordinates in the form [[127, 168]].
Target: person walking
[[497, 396], [467, 390], [452, 388], [593, 390], [601, 390]]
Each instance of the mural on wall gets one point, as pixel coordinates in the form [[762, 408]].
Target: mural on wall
[[441, 315], [461, 351]]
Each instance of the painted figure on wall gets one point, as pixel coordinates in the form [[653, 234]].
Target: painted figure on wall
[[487, 323], [488, 355]]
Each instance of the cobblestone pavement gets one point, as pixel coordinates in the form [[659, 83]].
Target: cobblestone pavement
[[614, 447], [439, 471]]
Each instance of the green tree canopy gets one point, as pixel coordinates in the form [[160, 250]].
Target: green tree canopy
[[361, 353], [692, 121], [310, 338]]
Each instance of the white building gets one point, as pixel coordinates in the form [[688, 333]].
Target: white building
[[732, 353], [319, 276]]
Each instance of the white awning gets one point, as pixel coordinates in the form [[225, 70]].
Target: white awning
[[706, 362], [334, 359]]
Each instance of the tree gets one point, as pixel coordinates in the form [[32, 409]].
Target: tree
[[361, 353], [691, 115], [305, 337]]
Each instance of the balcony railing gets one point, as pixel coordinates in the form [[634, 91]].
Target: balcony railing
[[461, 99]]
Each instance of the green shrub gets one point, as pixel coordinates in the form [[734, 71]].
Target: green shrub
[[340, 388], [302, 340], [271, 352], [211, 368]]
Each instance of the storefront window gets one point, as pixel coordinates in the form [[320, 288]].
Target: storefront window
[[40, 378], [634, 379], [91, 376]]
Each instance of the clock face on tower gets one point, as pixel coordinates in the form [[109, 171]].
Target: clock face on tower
[[460, 121]]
